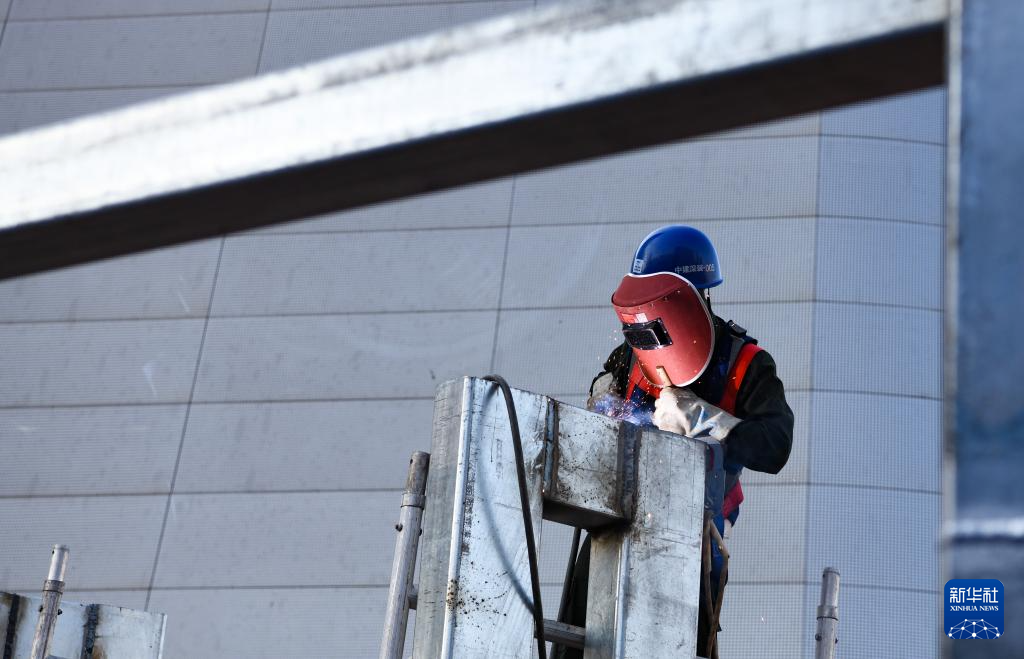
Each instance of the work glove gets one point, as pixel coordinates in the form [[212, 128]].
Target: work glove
[[604, 397], [683, 412]]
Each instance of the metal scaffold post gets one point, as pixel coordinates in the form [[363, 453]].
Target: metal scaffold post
[[53, 589], [825, 638], [408, 527]]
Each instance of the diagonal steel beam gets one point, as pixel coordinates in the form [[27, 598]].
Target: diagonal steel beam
[[509, 95]]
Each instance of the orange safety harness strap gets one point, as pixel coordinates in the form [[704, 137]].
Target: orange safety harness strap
[[736, 374]]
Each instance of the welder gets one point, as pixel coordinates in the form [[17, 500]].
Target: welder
[[688, 371]]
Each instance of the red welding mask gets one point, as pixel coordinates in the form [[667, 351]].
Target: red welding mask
[[668, 326]]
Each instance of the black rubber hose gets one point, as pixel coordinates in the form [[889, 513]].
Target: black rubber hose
[[524, 503]]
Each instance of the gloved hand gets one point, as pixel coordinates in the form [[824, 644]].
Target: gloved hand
[[604, 397], [683, 412]]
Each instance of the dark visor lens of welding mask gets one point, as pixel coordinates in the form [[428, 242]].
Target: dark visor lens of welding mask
[[646, 336]]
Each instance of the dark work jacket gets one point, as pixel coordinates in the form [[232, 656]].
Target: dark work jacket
[[763, 439]]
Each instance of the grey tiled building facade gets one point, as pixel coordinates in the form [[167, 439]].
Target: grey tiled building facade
[[229, 420]]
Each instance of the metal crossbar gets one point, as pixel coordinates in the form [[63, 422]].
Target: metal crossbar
[[510, 95]]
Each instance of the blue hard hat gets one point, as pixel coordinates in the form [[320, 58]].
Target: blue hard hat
[[680, 249]]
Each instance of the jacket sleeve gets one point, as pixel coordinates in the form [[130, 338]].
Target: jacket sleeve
[[762, 441], [617, 365]]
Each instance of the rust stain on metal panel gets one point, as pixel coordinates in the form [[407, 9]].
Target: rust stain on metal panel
[[14, 615], [550, 447], [467, 504], [451, 598], [89, 648], [629, 451]]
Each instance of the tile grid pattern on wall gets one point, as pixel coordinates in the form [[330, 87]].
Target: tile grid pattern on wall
[[876, 386], [806, 626], [5, 12], [184, 431], [262, 311], [191, 516]]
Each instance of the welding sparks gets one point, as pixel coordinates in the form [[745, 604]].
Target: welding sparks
[[612, 406]]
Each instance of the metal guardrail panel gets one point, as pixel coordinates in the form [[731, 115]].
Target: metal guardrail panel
[[590, 483], [509, 95], [645, 579], [474, 571], [82, 630], [474, 595]]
